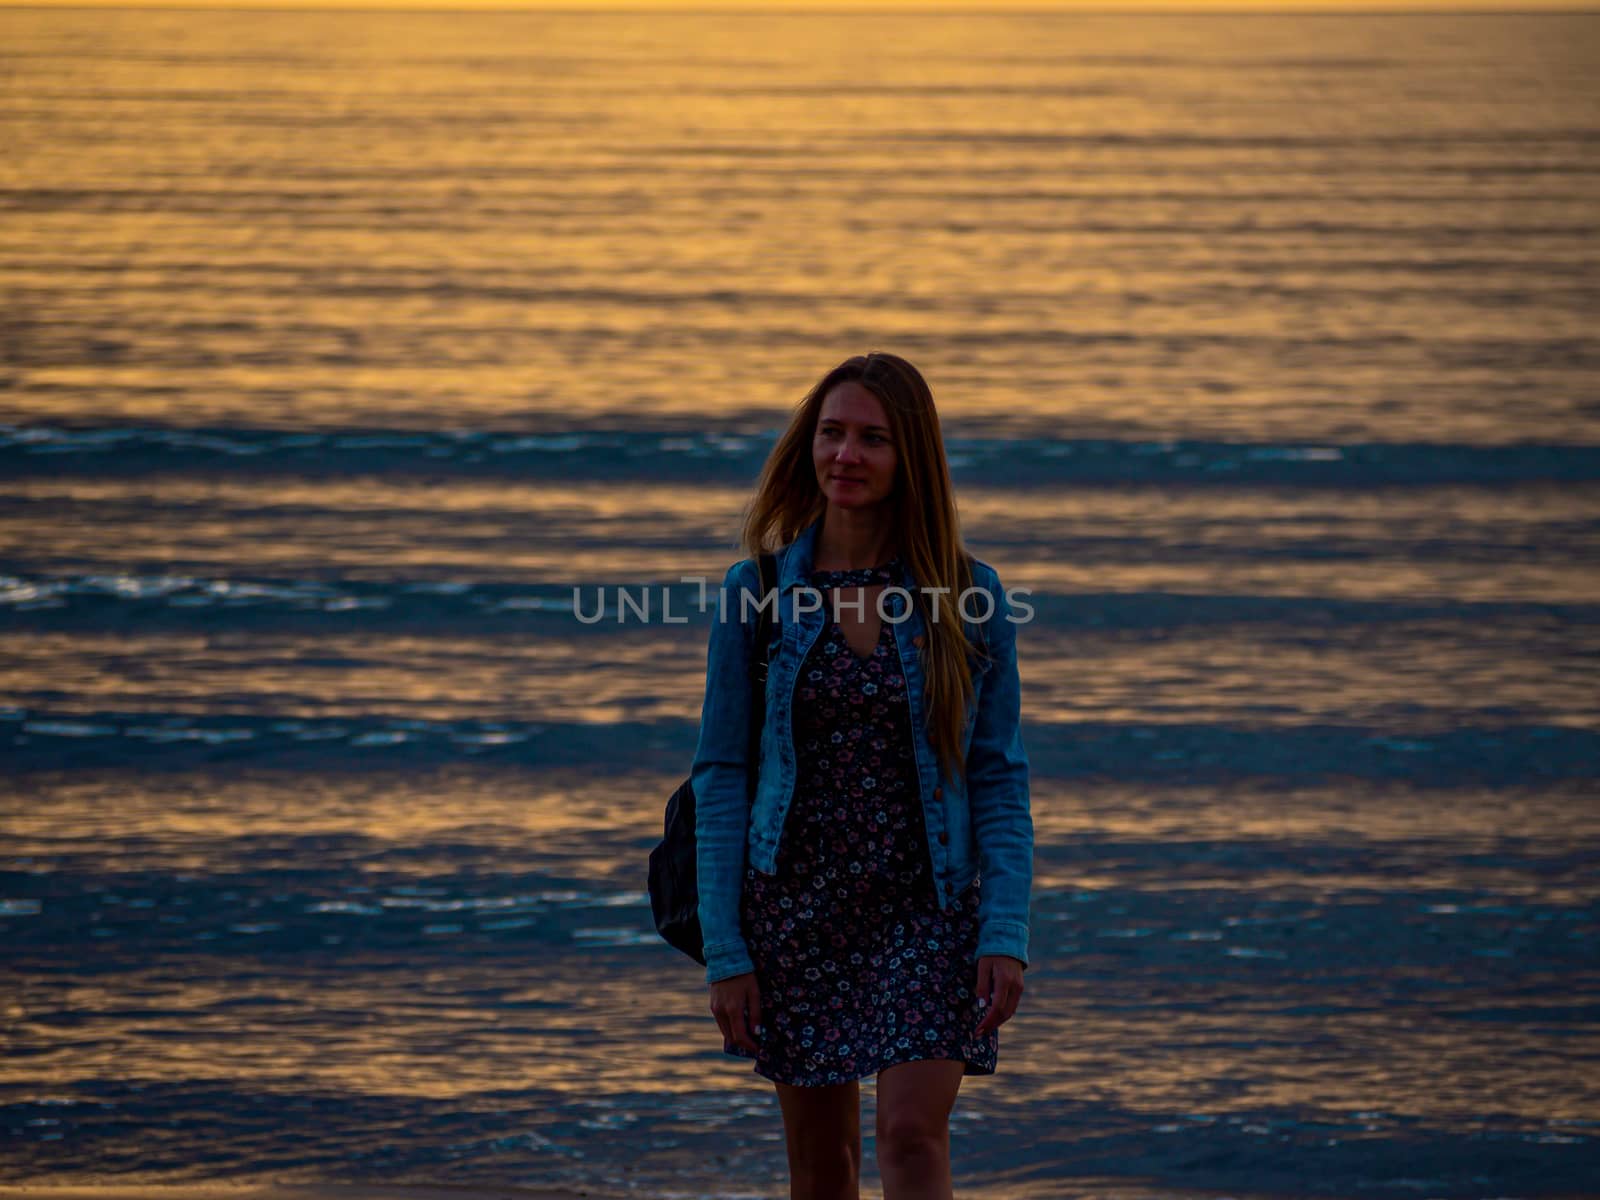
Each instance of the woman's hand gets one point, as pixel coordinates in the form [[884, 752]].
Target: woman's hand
[[999, 989], [736, 1003]]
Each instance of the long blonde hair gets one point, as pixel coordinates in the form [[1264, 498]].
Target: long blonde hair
[[925, 524]]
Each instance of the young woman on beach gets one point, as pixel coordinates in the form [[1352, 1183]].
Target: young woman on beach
[[865, 911]]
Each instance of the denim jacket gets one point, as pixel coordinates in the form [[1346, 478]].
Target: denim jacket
[[978, 823]]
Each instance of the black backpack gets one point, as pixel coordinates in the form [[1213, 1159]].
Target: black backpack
[[674, 892]]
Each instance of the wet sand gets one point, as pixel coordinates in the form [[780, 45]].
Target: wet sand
[[268, 1190]]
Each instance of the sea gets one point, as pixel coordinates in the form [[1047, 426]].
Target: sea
[[344, 352]]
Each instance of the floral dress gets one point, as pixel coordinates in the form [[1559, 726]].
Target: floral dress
[[858, 969]]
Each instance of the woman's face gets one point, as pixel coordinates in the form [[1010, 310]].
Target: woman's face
[[853, 450]]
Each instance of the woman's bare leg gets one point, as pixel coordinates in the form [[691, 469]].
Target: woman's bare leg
[[822, 1129], [914, 1104]]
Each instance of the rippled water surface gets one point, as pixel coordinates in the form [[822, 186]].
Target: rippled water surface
[[343, 354]]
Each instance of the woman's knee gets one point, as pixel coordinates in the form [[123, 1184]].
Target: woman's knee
[[908, 1136], [825, 1163], [822, 1128], [827, 1170]]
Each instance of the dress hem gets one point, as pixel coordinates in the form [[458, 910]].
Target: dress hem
[[969, 1068]]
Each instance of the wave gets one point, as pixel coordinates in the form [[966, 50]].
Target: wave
[[602, 454], [1507, 755], [151, 603]]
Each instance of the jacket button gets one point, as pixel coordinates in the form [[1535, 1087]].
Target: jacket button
[[917, 641], [938, 793], [944, 839]]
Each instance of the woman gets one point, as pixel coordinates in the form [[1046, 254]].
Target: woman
[[846, 930]]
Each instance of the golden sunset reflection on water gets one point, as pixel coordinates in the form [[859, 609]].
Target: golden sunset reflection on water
[[515, 1011]]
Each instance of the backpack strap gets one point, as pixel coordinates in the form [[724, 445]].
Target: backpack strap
[[758, 670]]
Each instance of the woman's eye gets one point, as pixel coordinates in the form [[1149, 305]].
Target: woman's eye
[[835, 435]]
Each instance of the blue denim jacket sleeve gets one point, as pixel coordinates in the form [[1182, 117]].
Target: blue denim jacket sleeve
[[997, 790], [721, 786]]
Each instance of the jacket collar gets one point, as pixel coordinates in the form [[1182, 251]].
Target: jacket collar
[[794, 562]]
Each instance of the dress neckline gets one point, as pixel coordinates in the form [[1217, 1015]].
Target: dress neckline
[[884, 570]]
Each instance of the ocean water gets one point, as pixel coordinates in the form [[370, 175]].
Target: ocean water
[[341, 351]]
